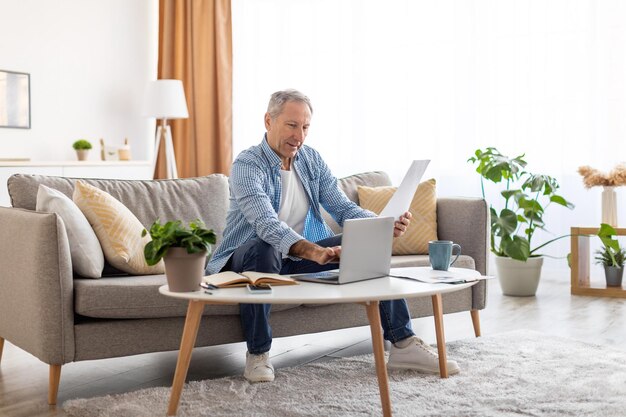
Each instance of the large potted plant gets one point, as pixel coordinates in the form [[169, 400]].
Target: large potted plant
[[611, 256], [183, 249], [526, 196]]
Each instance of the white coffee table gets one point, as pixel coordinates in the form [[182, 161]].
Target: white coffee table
[[368, 293]]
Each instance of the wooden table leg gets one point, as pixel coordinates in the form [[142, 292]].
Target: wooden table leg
[[54, 377], [476, 322], [190, 332], [441, 342], [373, 315]]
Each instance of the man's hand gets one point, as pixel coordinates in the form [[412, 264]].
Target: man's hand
[[329, 255], [316, 253], [402, 224]]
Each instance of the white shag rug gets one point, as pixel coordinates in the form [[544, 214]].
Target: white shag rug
[[521, 373]]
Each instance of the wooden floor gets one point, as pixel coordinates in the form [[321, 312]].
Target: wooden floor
[[24, 379]]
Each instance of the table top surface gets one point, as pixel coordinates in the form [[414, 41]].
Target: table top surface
[[378, 289]]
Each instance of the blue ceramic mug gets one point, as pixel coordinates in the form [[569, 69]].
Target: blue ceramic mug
[[440, 252]]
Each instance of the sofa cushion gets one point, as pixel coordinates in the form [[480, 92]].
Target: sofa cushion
[[350, 185], [204, 198], [85, 249], [137, 297], [118, 230], [423, 227]]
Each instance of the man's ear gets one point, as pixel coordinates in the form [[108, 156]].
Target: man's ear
[[268, 121]]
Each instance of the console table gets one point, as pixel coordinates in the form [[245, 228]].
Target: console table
[[123, 170], [581, 261]]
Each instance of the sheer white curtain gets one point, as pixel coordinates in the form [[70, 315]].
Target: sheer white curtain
[[397, 80]]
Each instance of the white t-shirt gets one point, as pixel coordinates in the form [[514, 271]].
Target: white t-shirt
[[294, 203]]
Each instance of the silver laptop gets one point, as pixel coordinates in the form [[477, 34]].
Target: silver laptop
[[365, 252]]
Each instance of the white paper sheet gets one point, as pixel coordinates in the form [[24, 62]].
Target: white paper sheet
[[400, 202], [430, 276]]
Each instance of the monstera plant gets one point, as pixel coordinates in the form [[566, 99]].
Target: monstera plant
[[525, 198]]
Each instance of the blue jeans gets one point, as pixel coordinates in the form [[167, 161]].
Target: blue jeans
[[256, 255]]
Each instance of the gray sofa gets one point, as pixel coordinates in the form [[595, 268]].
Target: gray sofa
[[60, 318]]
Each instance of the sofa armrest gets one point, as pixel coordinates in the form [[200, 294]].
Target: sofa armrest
[[466, 222], [36, 284]]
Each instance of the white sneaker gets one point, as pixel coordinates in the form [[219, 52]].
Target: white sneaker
[[259, 368], [418, 356]]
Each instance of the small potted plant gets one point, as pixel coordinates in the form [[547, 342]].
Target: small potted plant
[[82, 146], [611, 256], [183, 249]]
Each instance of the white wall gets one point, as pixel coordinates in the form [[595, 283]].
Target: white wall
[[89, 62], [417, 79]]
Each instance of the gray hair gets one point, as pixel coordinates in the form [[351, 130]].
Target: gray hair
[[279, 98]]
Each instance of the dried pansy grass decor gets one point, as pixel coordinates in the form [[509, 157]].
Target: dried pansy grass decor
[[593, 177], [615, 178]]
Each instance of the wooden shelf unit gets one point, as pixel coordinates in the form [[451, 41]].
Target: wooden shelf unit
[[581, 262]]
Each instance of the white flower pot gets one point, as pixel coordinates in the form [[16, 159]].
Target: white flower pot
[[82, 154], [519, 278]]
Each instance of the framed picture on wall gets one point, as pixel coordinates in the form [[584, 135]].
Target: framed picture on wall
[[14, 99]]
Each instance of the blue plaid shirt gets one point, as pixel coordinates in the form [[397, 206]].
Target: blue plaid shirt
[[255, 189]]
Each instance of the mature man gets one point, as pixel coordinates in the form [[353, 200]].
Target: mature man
[[274, 224]]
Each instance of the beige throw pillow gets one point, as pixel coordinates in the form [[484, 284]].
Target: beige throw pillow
[[423, 225], [117, 228]]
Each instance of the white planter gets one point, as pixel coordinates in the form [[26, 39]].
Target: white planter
[[519, 278], [82, 154]]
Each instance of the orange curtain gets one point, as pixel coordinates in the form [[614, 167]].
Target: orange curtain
[[195, 46]]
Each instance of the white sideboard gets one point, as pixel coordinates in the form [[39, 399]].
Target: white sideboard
[[125, 170]]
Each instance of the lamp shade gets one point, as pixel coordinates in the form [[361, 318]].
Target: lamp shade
[[165, 99]]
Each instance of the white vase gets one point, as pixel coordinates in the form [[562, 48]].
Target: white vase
[[609, 206]]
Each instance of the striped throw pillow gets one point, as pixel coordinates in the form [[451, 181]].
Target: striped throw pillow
[[117, 229], [423, 225]]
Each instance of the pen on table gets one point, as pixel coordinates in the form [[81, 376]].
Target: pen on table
[[208, 286], [208, 292]]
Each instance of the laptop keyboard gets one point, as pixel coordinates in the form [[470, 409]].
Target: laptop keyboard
[[325, 275]]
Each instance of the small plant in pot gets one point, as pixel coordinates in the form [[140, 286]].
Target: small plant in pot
[[611, 256], [526, 196], [82, 147], [183, 249]]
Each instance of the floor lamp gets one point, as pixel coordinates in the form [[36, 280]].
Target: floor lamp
[[165, 99]]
